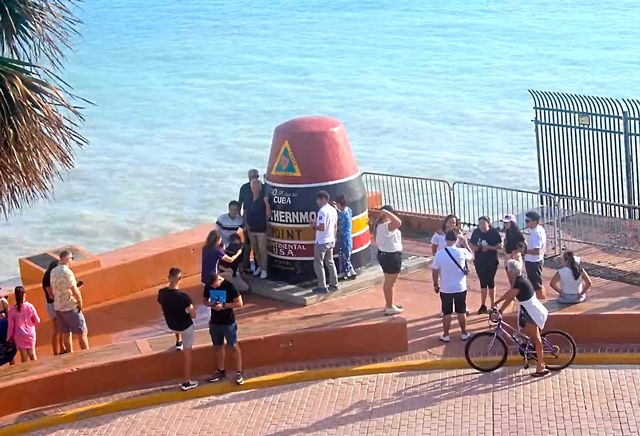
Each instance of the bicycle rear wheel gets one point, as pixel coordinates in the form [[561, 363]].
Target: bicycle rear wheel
[[559, 349], [486, 351]]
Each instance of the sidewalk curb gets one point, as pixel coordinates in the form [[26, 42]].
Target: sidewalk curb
[[281, 379]]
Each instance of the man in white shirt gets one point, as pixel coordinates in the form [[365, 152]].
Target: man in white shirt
[[325, 226], [230, 223], [449, 272], [534, 256]]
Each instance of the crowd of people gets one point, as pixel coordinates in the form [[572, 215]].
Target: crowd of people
[[523, 260], [242, 231]]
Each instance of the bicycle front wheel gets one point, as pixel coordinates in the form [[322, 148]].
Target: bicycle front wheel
[[559, 349], [486, 351]]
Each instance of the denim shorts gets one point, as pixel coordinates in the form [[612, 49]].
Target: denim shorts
[[71, 321], [220, 333]]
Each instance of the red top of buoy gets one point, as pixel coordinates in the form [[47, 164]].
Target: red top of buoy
[[311, 150]]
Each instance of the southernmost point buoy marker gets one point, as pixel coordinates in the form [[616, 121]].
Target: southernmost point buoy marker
[[308, 155]]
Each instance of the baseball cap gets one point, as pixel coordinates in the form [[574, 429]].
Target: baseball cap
[[509, 218]]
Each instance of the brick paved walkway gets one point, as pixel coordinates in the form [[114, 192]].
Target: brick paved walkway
[[595, 400]]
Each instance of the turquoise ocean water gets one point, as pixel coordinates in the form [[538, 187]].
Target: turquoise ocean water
[[187, 95]]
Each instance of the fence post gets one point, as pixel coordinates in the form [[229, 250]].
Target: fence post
[[538, 154], [628, 160], [452, 199], [557, 230]]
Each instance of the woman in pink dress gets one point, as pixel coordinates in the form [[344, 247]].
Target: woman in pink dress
[[23, 319]]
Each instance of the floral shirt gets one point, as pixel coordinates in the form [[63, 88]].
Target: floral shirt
[[62, 280], [344, 227]]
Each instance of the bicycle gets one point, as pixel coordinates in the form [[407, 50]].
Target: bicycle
[[487, 351]]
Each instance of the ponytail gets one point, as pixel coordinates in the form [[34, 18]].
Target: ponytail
[[19, 293], [573, 265]]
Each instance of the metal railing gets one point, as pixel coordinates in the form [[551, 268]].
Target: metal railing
[[568, 220], [412, 194], [473, 200], [588, 147], [598, 223]]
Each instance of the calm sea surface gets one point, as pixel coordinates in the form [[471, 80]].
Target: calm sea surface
[[187, 95]]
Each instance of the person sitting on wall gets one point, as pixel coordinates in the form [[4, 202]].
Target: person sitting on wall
[[230, 223], [572, 282]]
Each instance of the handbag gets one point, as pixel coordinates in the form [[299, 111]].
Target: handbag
[[464, 270]]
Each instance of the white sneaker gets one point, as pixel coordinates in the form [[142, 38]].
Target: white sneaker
[[465, 336], [263, 274], [257, 272], [393, 310], [444, 338]]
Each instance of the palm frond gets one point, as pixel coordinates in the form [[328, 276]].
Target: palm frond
[[33, 30], [37, 133]]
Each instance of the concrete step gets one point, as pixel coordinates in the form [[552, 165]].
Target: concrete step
[[302, 294]]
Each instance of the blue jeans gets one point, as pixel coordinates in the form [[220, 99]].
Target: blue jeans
[[220, 332]]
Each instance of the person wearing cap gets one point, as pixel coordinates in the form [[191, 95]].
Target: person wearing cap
[[534, 254], [449, 273], [485, 244], [514, 242]]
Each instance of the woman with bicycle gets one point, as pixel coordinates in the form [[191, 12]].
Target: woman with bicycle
[[532, 314]]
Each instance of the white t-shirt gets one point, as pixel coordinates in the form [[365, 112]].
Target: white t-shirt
[[452, 279], [568, 284], [537, 239], [441, 241], [389, 242], [328, 216]]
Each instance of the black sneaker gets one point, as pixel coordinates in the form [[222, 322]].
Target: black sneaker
[[482, 310], [217, 377], [239, 378], [333, 288], [187, 386], [179, 346]]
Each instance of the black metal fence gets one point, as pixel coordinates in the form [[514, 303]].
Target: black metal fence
[[568, 220], [588, 148]]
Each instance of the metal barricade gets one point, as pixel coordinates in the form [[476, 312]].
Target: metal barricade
[[598, 223], [472, 200], [414, 195]]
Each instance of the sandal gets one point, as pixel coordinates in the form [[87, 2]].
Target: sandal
[[541, 373]]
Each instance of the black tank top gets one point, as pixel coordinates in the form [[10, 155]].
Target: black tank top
[[524, 287]]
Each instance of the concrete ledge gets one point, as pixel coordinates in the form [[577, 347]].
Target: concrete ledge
[[303, 295], [134, 268], [386, 336]]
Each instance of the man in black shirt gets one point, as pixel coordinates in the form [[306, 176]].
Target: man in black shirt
[[245, 198], [256, 219], [222, 297], [179, 314], [57, 344]]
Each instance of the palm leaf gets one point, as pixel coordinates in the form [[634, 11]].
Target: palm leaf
[[37, 133], [34, 29]]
